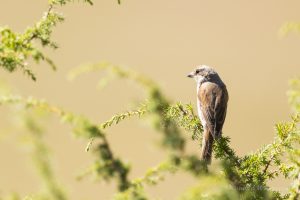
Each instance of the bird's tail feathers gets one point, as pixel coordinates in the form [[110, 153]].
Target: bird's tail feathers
[[207, 144]]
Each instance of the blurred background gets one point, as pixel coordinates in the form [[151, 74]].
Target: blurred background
[[164, 40]]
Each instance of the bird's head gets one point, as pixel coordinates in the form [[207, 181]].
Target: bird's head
[[202, 73]]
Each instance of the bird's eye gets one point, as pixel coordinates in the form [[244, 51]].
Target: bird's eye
[[197, 71]]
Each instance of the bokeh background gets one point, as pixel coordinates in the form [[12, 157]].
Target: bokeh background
[[163, 40]]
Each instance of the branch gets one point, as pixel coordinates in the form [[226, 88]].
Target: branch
[[120, 117], [268, 164], [110, 165]]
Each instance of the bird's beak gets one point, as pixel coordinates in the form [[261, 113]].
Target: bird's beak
[[191, 75]]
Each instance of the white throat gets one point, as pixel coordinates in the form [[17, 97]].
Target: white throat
[[199, 80], [200, 114]]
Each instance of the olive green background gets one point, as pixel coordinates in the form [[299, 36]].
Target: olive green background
[[164, 40]]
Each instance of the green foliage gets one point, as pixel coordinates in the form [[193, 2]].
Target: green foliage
[[17, 49], [241, 177], [64, 2], [294, 94], [233, 177], [185, 117], [106, 165], [210, 188], [42, 161], [119, 117], [156, 103], [289, 27], [248, 174]]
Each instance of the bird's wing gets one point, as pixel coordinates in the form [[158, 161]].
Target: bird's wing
[[213, 99]]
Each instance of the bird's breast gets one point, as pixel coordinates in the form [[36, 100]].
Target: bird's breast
[[200, 114]]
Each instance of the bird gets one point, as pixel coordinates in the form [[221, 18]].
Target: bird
[[212, 100]]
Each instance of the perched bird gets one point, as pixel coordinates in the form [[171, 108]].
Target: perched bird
[[212, 98]]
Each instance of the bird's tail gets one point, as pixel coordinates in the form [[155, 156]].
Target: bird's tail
[[207, 144]]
